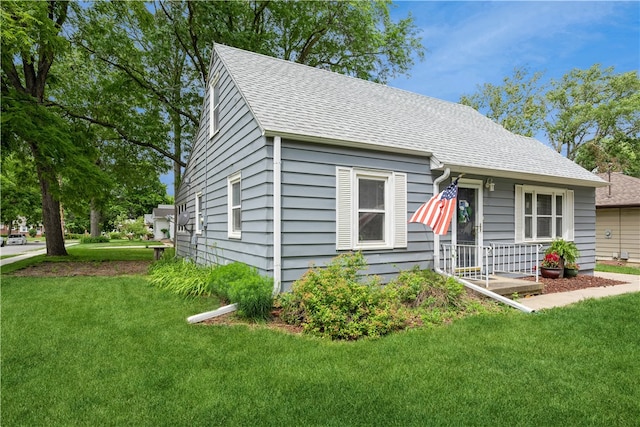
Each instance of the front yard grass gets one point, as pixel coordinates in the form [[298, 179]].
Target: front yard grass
[[622, 269], [117, 351]]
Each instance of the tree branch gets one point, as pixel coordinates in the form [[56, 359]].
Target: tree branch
[[145, 85], [120, 132]]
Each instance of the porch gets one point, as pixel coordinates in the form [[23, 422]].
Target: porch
[[498, 267]]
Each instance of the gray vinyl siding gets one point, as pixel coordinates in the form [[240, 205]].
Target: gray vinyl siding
[[238, 146], [499, 214], [309, 208]]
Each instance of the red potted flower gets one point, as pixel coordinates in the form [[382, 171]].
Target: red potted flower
[[551, 266]]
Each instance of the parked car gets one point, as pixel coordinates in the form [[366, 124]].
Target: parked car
[[16, 239]]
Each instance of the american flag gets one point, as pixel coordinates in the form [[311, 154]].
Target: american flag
[[437, 212]]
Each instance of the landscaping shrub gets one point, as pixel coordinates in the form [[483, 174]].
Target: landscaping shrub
[[33, 232], [334, 302], [114, 235], [331, 302], [181, 276], [99, 239], [253, 295], [223, 275], [236, 283]]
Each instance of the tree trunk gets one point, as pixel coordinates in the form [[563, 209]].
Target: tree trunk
[[95, 220], [51, 218], [177, 172]]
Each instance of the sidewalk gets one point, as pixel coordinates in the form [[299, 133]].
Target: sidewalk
[[29, 254], [559, 299]]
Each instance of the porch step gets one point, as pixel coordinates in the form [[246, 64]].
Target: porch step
[[508, 286]]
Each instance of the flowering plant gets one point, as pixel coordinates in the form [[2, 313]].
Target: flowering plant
[[572, 266], [551, 260]]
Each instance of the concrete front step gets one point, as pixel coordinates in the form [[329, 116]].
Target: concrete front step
[[508, 286]]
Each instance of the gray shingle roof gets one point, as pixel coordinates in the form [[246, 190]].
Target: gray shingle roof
[[624, 191], [291, 99]]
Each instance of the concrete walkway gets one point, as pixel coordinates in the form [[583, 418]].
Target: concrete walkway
[[539, 302], [28, 254]]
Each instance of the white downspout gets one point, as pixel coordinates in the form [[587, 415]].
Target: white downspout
[[436, 261], [277, 214], [436, 237]]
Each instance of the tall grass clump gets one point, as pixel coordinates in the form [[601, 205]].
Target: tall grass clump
[[236, 283], [181, 276]]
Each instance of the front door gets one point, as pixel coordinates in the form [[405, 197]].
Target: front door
[[469, 226]]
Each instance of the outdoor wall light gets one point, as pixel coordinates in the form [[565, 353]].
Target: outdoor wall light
[[490, 185]]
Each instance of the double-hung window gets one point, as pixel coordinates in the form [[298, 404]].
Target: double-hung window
[[543, 213], [234, 206], [371, 209], [199, 213], [214, 106]]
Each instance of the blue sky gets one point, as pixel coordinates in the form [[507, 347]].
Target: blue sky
[[476, 42], [471, 43]]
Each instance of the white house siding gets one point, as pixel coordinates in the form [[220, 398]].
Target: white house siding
[[309, 208], [623, 225]]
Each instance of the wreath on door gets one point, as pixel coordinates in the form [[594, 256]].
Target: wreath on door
[[464, 212]]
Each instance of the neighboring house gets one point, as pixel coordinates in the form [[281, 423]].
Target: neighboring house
[[21, 227], [618, 218], [293, 165], [161, 219]]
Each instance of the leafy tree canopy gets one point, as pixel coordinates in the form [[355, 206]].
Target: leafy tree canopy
[[592, 116]]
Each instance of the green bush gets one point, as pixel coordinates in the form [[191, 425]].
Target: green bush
[[33, 232], [223, 275], [253, 295], [114, 235], [99, 239], [236, 283], [332, 302]]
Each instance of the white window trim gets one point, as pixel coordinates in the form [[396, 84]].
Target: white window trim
[[199, 219], [231, 180], [214, 108], [395, 231], [567, 213]]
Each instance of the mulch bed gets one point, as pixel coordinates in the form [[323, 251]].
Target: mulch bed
[[581, 281], [76, 268]]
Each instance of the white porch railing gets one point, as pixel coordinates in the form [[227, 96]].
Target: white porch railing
[[515, 258], [465, 261], [509, 258]]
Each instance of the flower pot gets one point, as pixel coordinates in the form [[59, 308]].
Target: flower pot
[[570, 272], [551, 273]]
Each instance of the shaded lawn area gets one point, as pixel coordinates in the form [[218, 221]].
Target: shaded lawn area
[[116, 351]]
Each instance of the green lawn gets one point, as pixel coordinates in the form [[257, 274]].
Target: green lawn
[[116, 351], [623, 269]]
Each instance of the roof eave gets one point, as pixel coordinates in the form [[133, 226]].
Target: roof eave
[[346, 143], [526, 176]]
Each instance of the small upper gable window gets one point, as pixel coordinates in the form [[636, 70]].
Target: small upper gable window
[[214, 106]]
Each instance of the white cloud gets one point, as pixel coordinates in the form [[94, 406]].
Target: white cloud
[[470, 43]]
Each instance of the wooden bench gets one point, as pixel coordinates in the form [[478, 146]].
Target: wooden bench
[[158, 251]]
